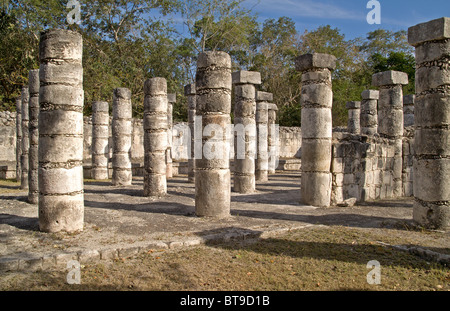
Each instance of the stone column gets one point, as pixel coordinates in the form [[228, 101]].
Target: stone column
[[432, 123], [390, 118], [171, 99], [369, 112], [61, 97], [155, 137], [245, 130], [354, 111], [122, 131], [189, 92], [18, 137], [212, 170], [100, 140], [33, 156], [408, 110], [24, 162], [262, 121], [316, 102], [273, 138]]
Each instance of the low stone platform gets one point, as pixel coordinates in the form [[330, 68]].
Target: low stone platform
[[121, 222]]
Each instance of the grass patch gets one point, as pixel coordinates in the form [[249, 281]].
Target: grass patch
[[325, 258], [9, 186]]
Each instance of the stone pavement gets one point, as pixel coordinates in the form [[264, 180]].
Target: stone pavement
[[121, 222]]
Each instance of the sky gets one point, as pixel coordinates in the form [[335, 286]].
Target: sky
[[350, 16]]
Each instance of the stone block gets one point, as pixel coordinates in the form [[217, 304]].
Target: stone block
[[389, 78], [370, 94], [316, 189], [353, 105], [438, 29], [317, 76], [214, 101], [316, 123], [60, 180], [122, 93], [189, 89], [60, 44], [213, 193], [264, 96], [433, 216], [246, 77], [245, 91], [434, 142], [432, 110], [433, 184], [171, 98], [61, 213], [316, 155], [315, 61], [317, 95], [216, 59]]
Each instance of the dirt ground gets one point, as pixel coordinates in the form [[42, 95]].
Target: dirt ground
[[120, 222]]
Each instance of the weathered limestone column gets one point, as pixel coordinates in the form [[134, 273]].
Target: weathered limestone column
[[18, 137], [245, 130], [24, 162], [100, 140], [33, 155], [316, 101], [172, 99], [190, 93], [354, 111], [122, 131], [369, 112], [61, 97], [432, 123], [408, 110], [390, 118], [263, 100], [155, 137], [212, 170], [273, 138]]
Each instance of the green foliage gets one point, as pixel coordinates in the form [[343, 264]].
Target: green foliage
[[129, 41]]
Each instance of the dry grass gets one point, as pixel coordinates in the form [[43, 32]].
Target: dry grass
[[330, 258], [9, 186]]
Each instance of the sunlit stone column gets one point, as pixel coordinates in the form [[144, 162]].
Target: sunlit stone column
[[61, 97]]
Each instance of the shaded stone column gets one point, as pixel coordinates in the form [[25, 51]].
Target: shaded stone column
[[100, 140], [369, 112], [408, 110], [245, 130], [354, 111], [33, 155], [432, 123], [61, 97], [189, 92], [24, 162], [273, 138], [390, 118], [262, 121], [155, 137], [316, 102], [172, 99], [18, 137], [122, 131], [212, 170]]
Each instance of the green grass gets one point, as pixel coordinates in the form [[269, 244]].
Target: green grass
[[325, 258]]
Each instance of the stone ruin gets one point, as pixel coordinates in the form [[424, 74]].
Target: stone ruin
[[393, 146]]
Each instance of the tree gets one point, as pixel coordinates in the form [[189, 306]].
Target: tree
[[350, 77]]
